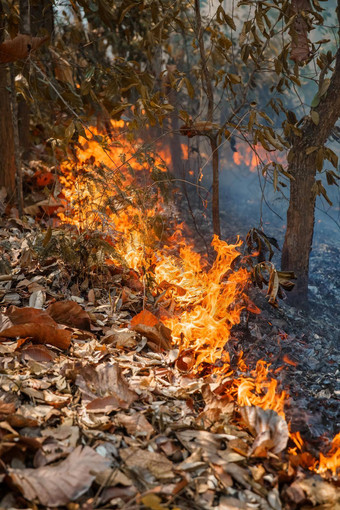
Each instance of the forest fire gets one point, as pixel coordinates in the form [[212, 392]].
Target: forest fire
[[253, 157], [113, 191]]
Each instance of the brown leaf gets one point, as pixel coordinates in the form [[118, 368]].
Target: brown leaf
[[71, 314], [270, 429], [300, 50], [148, 325], [6, 408], [135, 424], [104, 388], [38, 353], [20, 47], [29, 315], [144, 463], [60, 484], [42, 334]]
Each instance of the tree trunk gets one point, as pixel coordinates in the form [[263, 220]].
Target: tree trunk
[[300, 224], [300, 216], [215, 188], [7, 161]]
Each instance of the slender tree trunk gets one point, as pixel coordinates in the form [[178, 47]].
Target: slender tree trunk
[[208, 88], [7, 161], [300, 216], [300, 224], [216, 187]]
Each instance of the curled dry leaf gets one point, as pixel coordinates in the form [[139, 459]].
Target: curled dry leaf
[[40, 333], [60, 484], [104, 388], [20, 47], [70, 314], [270, 429], [148, 325]]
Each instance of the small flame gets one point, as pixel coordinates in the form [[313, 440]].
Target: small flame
[[331, 460]]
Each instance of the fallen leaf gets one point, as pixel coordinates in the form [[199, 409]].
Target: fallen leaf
[[38, 353], [271, 430], [71, 314], [145, 463], [136, 424], [104, 388], [37, 299], [60, 484], [148, 325], [6, 408], [42, 334], [29, 315], [20, 47]]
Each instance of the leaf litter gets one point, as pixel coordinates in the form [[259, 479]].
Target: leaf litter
[[98, 411]]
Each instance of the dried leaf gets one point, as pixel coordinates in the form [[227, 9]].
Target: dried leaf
[[60, 484], [6, 408], [148, 325], [104, 388], [37, 299], [135, 424], [271, 430], [38, 353], [70, 314], [20, 47], [42, 334], [146, 463], [29, 315]]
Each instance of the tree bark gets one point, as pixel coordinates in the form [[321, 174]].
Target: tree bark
[[7, 161], [300, 215]]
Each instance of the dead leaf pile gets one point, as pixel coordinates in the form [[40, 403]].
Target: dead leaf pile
[[97, 411]]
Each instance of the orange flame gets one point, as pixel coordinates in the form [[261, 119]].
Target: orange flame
[[112, 191], [331, 460]]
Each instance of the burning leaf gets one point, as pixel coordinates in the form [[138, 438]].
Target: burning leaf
[[60, 484], [41, 333], [70, 314], [148, 325], [104, 388], [20, 47], [271, 430]]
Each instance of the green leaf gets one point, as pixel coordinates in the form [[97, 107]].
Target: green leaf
[[315, 117], [324, 87], [316, 100]]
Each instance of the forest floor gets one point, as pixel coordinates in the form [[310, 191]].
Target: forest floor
[[94, 414]]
